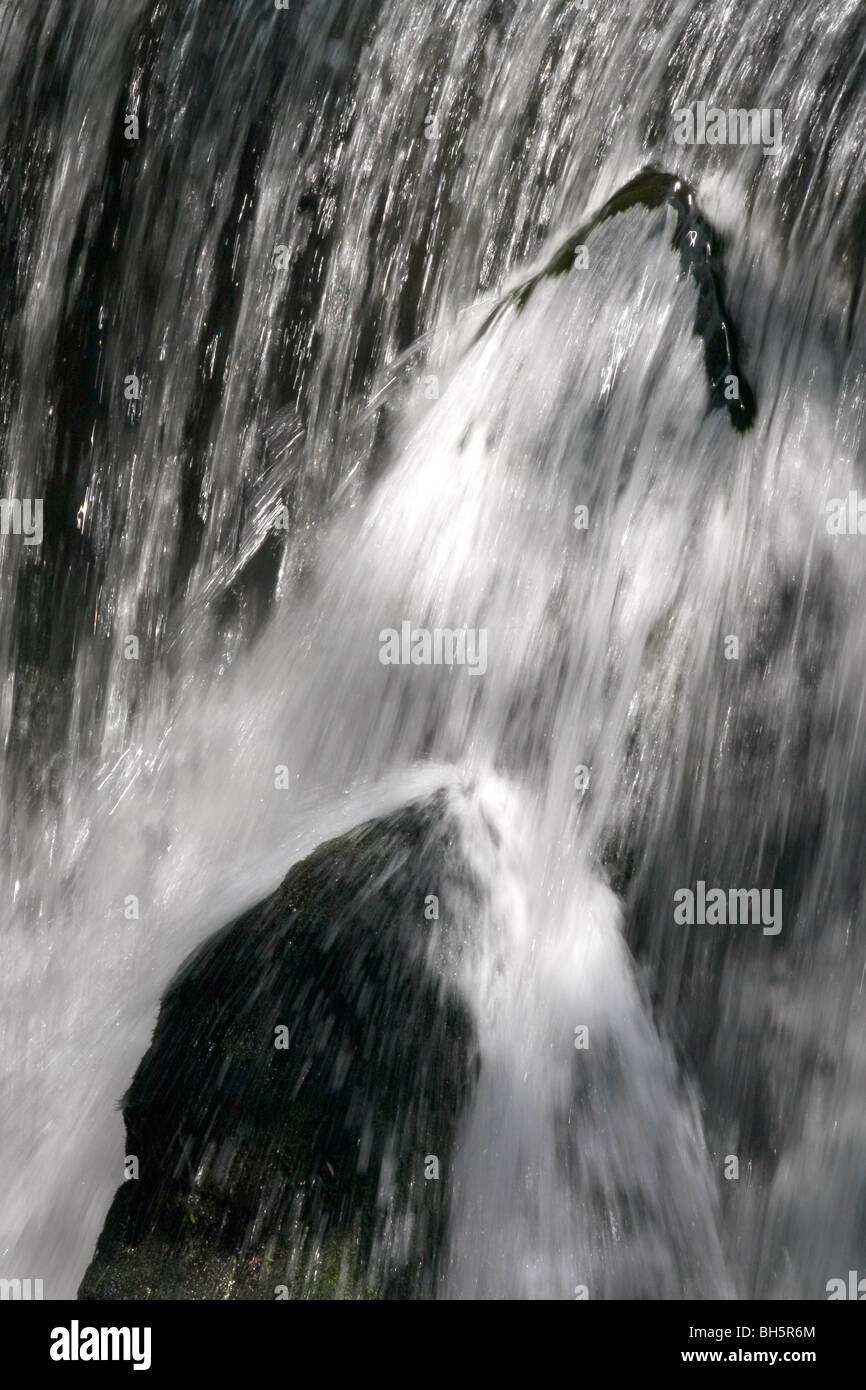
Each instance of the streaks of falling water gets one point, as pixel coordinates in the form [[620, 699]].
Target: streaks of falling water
[[307, 130]]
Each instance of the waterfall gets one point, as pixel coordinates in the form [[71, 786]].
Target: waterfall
[[247, 253]]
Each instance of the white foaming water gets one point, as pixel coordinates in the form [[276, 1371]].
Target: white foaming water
[[458, 533], [577, 1136]]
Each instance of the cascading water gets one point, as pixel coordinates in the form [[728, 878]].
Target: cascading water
[[292, 252]]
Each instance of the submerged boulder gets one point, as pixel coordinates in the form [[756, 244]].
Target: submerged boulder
[[700, 252], [309, 1064]]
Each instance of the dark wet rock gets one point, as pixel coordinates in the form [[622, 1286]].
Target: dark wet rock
[[699, 248], [272, 1172]]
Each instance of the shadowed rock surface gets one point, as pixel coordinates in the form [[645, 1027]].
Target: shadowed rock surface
[[266, 1168]]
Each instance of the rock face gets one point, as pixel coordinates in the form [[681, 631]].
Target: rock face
[[269, 1170]]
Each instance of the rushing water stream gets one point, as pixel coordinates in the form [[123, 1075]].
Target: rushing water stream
[[288, 226]]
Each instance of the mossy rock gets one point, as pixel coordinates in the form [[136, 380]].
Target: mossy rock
[[299, 1171]]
